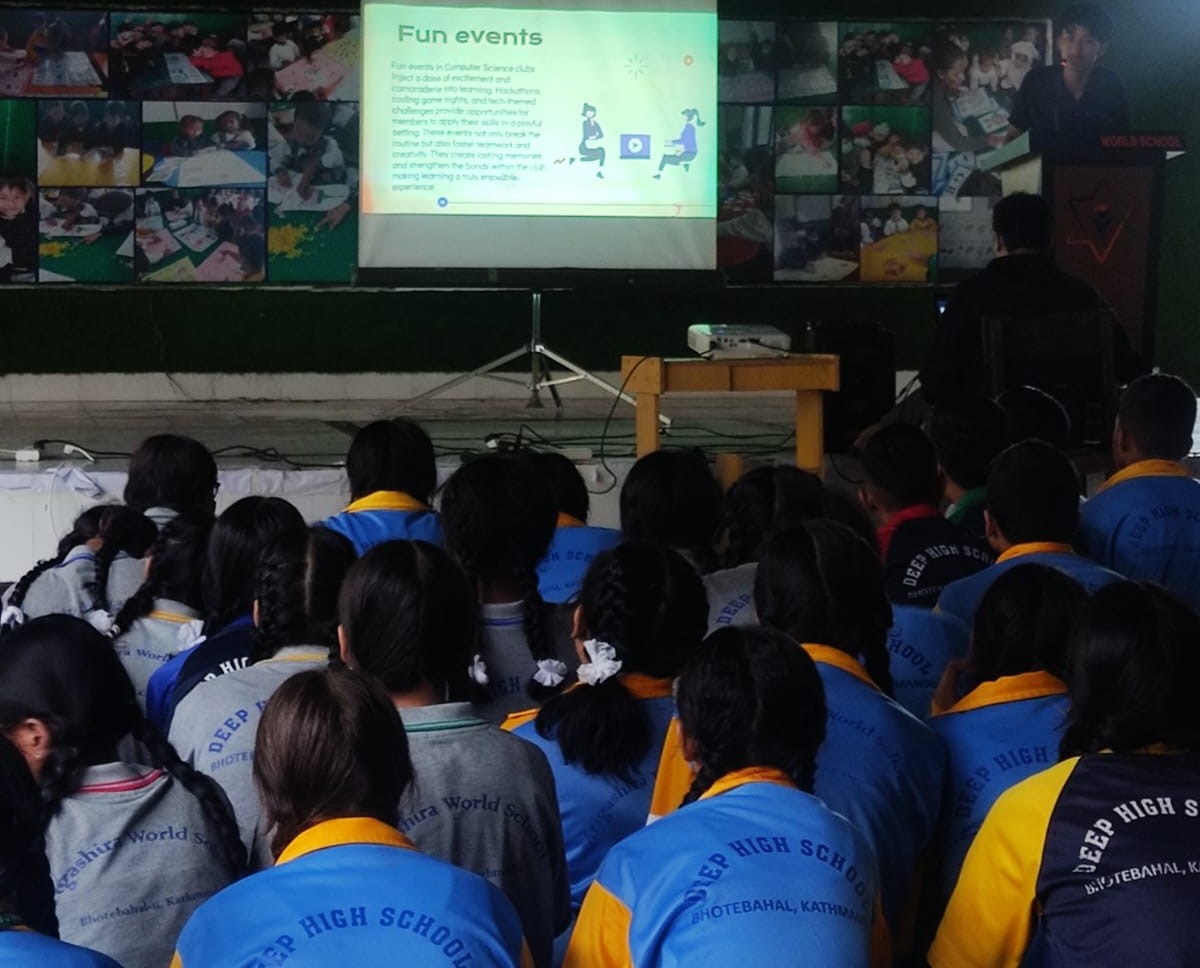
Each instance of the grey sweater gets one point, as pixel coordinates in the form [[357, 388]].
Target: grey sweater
[[132, 854], [214, 726], [510, 664], [60, 590], [485, 801], [155, 638]]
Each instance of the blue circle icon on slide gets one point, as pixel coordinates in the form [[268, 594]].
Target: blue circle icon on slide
[[443, 202]]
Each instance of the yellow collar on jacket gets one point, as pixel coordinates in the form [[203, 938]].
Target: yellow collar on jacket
[[1146, 468], [387, 501], [344, 830]]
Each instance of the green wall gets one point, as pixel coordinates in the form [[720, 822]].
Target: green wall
[[72, 330]]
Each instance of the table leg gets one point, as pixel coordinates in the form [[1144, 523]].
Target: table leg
[[647, 423], [810, 431], [729, 467]]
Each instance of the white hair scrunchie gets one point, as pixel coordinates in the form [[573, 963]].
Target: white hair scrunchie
[[477, 670], [603, 666], [101, 620], [11, 617], [550, 673], [190, 633]]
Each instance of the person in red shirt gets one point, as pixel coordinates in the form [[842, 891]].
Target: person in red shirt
[[223, 65]]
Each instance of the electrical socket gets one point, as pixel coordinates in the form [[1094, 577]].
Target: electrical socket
[[27, 455]]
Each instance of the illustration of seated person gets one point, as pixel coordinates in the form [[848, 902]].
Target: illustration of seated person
[[116, 132], [684, 147], [590, 148], [308, 151], [18, 228]]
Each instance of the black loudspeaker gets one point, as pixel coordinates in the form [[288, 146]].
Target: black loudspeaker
[[868, 379]]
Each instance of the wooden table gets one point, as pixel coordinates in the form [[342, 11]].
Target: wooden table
[[807, 375]]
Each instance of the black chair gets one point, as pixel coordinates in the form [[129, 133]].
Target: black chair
[[1071, 356]]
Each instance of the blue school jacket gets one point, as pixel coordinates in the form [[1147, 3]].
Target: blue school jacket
[[755, 872], [225, 651], [1145, 523], [921, 643], [24, 949], [961, 598], [598, 810], [354, 891], [574, 545], [1091, 862], [997, 735], [385, 516]]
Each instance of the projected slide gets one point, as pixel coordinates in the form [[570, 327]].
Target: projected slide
[[545, 135]]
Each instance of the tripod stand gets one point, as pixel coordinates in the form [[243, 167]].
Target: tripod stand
[[540, 377]]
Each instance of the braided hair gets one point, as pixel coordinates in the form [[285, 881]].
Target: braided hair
[[176, 566], [233, 548], [85, 528], [649, 604], [296, 584], [25, 879], [671, 497], [122, 529], [748, 697], [59, 670], [822, 583], [498, 516]]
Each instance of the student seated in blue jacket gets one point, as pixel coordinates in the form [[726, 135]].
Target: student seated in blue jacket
[[922, 551], [1145, 520], [331, 764], [753, 869], [28, 924], [393, 475], [1032, 512], [1002, 712], [575, 542]]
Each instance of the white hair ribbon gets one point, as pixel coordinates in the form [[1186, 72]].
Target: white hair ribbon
[[190, 633], [550, 673], [477, 670], [11, 617], [604, 663], [101, 620]]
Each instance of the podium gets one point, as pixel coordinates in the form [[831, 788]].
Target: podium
[[1107, 197]]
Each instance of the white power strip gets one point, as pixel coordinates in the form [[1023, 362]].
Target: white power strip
[[22, 455]]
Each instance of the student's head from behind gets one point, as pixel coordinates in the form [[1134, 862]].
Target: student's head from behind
[[671, 497], [822, 584], [967, 433], [1022, 223], [330, 745], [172, 471], [310, 122], [900, 470], [237, 541], [296, 584], [26, 887], [409, 619], [570, 489], [1084, 30], [1132, 669], [65, 700], [174, 568], [1155, 420], [765, 500], [1032, 495], [748, 697], [15, 194], [1023, 623], [1034, 413], [392, 455]]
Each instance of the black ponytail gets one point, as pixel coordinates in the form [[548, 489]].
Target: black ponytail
[[121, 530], [749, 698], [820, 583], [649, 604], [85, 528], [296, 585], [24, 867], [176, 566]]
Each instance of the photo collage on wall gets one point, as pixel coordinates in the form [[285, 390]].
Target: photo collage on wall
[[178, 147], [856, 151]]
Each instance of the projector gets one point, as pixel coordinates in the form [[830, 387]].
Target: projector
[[718, 341]]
